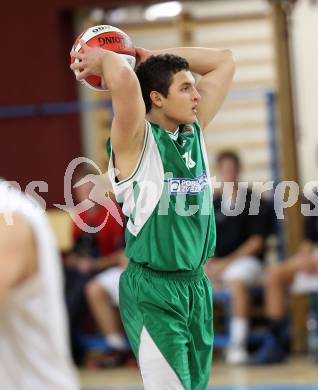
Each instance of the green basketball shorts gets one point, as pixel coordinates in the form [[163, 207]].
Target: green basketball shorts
[[175, 308]]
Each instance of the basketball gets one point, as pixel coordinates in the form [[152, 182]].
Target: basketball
[[109, 38]]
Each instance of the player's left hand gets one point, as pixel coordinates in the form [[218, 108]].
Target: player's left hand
[[142, 55]]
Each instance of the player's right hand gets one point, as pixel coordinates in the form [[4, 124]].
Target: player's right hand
[[90, 61]]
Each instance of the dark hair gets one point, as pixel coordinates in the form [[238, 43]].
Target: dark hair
[[156, 73], [229, 154]]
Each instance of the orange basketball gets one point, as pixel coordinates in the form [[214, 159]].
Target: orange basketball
[[108, 38]]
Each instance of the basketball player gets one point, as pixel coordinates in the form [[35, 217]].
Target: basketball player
[[33, 342], [162, 179]]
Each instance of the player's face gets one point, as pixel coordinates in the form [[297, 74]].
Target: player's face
[[181, 104]]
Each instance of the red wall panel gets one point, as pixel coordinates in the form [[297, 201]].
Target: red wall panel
[[36, 40], [36, 71]]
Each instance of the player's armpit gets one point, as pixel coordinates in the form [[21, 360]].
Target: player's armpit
[[17, 253], [125, 159]]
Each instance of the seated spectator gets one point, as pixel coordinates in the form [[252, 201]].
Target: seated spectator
[[92, 253], [102, 294], [239, 250], [298, 273]]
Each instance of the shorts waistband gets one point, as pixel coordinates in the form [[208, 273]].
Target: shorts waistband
[[173, 275]]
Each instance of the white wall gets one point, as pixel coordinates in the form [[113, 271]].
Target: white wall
[[305, 56]]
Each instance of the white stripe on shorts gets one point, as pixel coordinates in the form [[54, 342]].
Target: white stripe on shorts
[[155, 370]]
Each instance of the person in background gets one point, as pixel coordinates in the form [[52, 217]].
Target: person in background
[[33, 327], [92, 252], [298, 274], [102, 295], [239, 250]]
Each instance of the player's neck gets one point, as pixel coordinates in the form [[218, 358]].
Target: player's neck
[[163, 121]]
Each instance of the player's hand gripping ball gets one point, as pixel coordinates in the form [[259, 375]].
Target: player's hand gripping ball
[[108, 38]]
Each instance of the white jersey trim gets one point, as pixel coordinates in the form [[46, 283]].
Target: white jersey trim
[[114, 170], [149, 176], [206, 160]]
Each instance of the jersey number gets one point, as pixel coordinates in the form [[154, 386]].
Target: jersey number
[[188, 160]]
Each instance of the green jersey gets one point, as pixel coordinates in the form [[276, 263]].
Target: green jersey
[[168, 201]]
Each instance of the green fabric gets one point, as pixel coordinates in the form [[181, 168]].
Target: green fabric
[[169, 241], [108, 147], [176, 309]]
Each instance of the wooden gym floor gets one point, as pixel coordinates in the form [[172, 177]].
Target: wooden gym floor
[[296, 374]]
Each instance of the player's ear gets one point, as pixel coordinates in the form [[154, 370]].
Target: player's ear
[[156, 98]]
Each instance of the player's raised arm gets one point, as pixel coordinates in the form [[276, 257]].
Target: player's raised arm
[[129, 110], [216, 68]]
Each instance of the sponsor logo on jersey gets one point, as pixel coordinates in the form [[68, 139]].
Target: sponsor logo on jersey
[[187, 186]]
